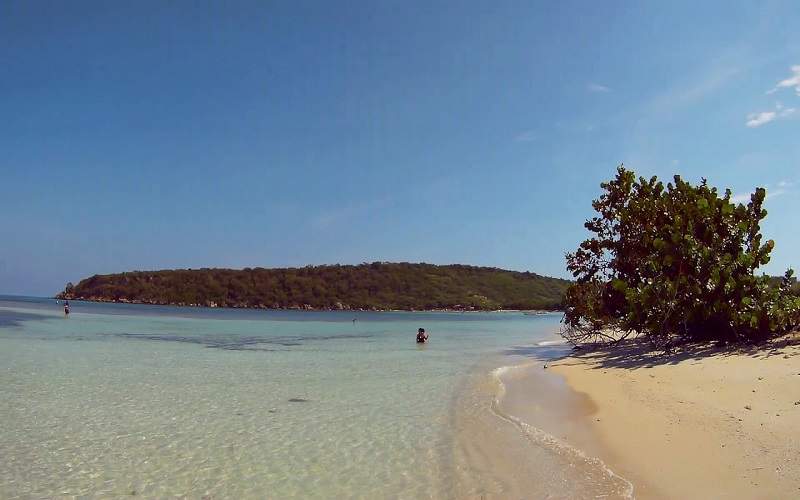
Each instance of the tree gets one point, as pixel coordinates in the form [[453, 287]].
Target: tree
[[379, 285], [674, 262]]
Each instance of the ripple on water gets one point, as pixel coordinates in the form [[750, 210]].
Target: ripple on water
[[332, 410]]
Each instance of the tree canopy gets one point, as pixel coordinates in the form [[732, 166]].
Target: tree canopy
[[675, 262], [379, 285]]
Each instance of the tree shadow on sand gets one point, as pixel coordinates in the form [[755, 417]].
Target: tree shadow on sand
[[635, 353]]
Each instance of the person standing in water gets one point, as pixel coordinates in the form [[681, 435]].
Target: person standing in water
[[422, 337], [66, 308]]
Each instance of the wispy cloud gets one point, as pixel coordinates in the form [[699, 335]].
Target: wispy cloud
[[791, 82], [763, 117], [782, 187], [596, 87], [745, 198], [741, 198], [775, 193], [757, 119], [526, 136], [694, 88]]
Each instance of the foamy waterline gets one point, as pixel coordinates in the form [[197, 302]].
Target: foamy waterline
[[545, 343], [542, 438]]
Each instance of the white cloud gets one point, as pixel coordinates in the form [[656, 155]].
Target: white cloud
[[596, 87], [758, 119], [745, 198], [791, 82], [782, 188], [764, 117], [775, 193]]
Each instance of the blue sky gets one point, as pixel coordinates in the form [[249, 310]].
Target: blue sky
[[148, 135]]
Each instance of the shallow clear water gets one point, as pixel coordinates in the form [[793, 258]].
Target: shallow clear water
[[159, 401]]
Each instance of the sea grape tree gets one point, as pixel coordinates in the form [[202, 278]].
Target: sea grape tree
[[674, 261]]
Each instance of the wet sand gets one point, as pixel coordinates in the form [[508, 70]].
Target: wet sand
[[700, 423], [503, 450]]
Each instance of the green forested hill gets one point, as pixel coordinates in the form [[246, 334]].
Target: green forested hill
[[367, 286]]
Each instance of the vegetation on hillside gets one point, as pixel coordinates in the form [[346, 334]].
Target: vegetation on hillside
[[367, 286], [675, 262]]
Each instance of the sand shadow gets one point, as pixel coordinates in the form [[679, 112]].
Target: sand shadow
[[636, 353]]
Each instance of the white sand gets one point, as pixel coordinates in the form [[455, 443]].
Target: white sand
[[701, 423]]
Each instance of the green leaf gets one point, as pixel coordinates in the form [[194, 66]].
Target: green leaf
[[619, 285]]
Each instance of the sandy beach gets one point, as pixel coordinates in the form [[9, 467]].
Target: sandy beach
[[703, 422]]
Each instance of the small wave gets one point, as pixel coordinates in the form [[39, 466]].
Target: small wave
[[551, 342], [543, 438]]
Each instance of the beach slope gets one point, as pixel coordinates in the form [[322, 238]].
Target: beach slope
[[703, 422]]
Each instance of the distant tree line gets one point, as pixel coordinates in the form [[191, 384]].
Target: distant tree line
[[375, 286], [675, 262]]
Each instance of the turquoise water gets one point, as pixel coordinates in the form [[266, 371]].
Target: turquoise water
[[160, 402]]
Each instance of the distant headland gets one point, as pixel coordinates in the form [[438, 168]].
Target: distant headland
[[377, 286]]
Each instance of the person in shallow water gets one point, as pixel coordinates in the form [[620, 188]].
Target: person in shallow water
[[66, 307], [422, 337]]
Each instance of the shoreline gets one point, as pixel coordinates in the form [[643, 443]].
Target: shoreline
[[510, 442], [703, 422], [531, 312]]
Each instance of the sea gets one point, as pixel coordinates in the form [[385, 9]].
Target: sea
[[122, 400]]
